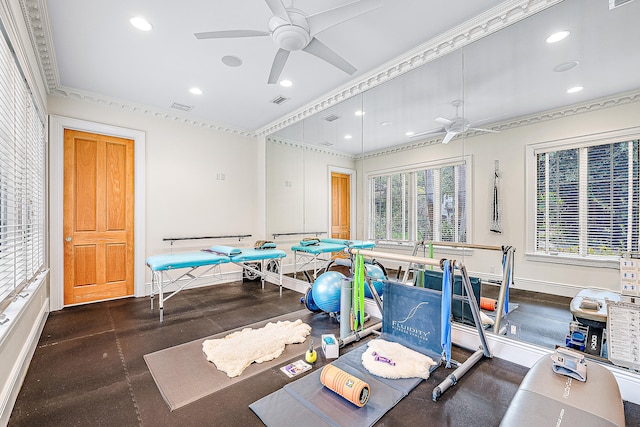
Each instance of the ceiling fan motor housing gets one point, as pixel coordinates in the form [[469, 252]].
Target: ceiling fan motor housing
[[290, 36]]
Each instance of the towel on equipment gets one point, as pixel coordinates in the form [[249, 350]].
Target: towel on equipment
[[224, 250], [389, 359]]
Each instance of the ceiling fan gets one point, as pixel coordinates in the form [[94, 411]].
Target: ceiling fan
[[291, 29], [453, 126]]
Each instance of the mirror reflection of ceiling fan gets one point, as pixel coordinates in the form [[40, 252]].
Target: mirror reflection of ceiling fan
[[452, 127], [291, 29]]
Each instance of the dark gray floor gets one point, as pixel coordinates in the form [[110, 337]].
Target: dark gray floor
[[88, 368]]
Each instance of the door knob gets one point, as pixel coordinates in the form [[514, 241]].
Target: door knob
[[68, 238]]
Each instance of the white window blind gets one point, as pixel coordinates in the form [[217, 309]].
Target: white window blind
[[423, 204], [588, 200], [22, 181]]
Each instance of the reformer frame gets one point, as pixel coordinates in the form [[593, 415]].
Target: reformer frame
[[462, 368], [507, 272]]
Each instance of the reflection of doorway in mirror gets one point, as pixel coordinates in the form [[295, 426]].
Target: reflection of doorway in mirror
[[340, 205]]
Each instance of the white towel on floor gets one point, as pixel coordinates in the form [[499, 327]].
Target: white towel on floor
[[233, 353]]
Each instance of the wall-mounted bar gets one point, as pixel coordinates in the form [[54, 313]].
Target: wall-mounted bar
[[462, 245], [315, 233], [233, 236], [394, 257]]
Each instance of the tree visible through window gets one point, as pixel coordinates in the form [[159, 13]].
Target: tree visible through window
[[588, 200], [426, 204]]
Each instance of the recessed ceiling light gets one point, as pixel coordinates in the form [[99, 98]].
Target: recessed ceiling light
[[565, 66], [556, 37], [386, 123], [409, 133], [231, 61], [286, 83], [360, 113], [140, 23], [196, 91], [347, 136], [575, 89]]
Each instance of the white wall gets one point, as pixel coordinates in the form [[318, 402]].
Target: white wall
[[508, 147], [198, 181], [298, 192]]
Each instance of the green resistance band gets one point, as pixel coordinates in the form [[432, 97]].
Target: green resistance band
[[354, 293], [361, 291]]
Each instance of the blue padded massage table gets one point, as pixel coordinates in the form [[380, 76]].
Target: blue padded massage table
[[314, 254], [204, 262]]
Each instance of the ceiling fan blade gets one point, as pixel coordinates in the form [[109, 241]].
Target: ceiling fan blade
[[230, 34], [278, 9], [485, 130], [318, 49], [448, 137], [428, 132], [327, 19], [443, 121], [278, 65]]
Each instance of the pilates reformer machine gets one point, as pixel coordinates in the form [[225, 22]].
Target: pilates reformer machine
[[319, 254], [418, 319], [508, 253], [192, 266], [447, 299]]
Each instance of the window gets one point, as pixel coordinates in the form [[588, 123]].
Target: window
[[428, 203], [22, 181], [588, 199]]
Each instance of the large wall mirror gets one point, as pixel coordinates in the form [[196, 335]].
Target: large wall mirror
[[500, 98]]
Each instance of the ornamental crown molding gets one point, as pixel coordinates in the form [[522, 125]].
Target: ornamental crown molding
[[501, 16], [495, 19], [506, 14], [309, 147], [93, 98], [554, 114]]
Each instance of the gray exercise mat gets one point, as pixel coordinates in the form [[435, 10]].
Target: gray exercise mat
[[307, 402]]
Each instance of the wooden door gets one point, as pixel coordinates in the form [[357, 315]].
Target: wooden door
[[98, 217], [340, 206]]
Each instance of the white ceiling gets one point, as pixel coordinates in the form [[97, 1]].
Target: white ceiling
[[96, 52], [503, 79]]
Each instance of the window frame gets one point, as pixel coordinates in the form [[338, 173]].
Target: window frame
[[23, 199], [465, 160], [531, 170]]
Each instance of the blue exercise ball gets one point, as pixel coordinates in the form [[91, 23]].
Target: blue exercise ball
[[326, 291], [376, 275], [309, 302]]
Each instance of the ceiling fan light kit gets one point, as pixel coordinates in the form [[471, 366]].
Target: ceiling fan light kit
[[293, 30], [453, 126]]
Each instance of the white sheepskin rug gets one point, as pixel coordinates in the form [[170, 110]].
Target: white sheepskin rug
[[407, 363], [486, 320], [233, 353]]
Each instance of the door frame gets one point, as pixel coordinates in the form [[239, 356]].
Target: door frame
[[352, 197], [57, 126]]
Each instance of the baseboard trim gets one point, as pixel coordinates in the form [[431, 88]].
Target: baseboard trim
[[21, 365]]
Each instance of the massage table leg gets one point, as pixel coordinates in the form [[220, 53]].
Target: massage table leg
[[280, 271], [153, 289], [161, 296]]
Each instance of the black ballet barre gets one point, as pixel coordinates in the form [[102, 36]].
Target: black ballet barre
[[232, 236], [315, 233]]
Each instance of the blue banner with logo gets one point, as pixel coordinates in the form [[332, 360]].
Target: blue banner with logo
[[411, 317]]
